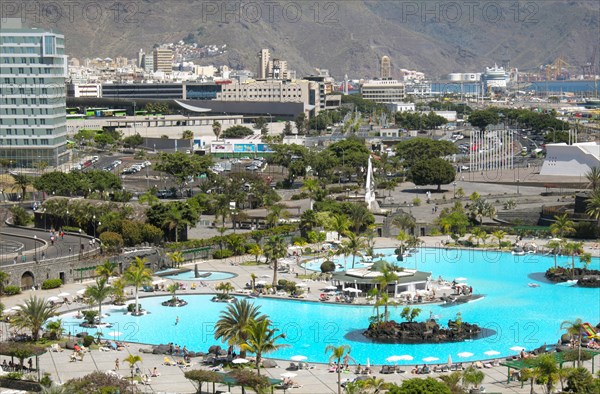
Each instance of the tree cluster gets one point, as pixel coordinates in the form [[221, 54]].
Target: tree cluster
[[237, 131], [419, 121], [77, 183]]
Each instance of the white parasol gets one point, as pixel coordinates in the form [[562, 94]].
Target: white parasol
[[64, 294], [465, 355], [491, 353], [240, 361], [288, 375], [298, 358], [430, 359]]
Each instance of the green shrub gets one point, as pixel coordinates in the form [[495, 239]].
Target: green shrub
[[222, 254], [131, 232], [12, 290], [89, 316], [131, 307], [112, 242], [88, 340], [308, 250], [51, 284], [435, 231], [14, 375], [416, 201], [20, 216], [152, 234], [70, 229], [327, 266]]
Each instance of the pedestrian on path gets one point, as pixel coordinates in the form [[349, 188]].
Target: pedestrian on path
[[117, 364]]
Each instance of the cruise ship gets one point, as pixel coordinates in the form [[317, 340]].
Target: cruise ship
[[494, 78]]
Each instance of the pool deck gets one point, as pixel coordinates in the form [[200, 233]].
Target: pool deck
[[172, 380]]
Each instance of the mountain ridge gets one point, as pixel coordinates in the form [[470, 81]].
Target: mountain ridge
[[344, 37]]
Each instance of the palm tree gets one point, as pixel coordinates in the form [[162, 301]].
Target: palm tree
[[137, 275], [337, 354], [593, 204], [216, 128], [148, 198], [562, 226], [97, 293], [232, 326], [547, 370], [572, 249], [452, 382], [21, 182], [172, 288], [529, 374], [311, 186], [276, 212], [176, 257], [472, 376], [261, 339], [33, 315], [340, 224], [593, 177], [256, 251], [404, 221], [384, 300], [253, 277], [556, 246], [174, 219], [107, 269], [499, 235], [575, 329], [275, 249], [358, 216], [132, 360], [225, 287], [353, 246]]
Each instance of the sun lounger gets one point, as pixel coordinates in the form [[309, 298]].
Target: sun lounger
[[145, 379], [293, 367], [168, 361], [217, 368], [332, 369]]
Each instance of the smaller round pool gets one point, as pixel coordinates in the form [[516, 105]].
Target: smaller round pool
[[203, 275]]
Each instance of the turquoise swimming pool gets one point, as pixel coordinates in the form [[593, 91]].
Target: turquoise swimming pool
[[204, 275], [520, 315]]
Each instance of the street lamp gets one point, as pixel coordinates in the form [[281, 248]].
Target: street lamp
[[80, 251], [94, 224], [518, 180], [66, 219], [35, 246], [454, 185]]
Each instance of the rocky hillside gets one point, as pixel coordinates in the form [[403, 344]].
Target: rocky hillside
[[343, 36]]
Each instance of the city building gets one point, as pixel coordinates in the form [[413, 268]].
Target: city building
[[383, 91], [93, 90], [33, 70], [401, 107], [163, 60], [386, 67], [263, 64]]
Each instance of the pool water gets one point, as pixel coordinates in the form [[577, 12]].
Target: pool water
[[190, 275], [520, 315]]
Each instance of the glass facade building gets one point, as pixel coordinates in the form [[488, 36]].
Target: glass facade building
[[33, 125]]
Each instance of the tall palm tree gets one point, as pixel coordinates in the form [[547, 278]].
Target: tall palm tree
[[358, 216], [275, 249], [593, 177], [311, 186], [216, 128], [148, 198], [276, 212], [261, 339], [97, 293], [137, 275], [33, 315], [575, 329], [21, 182], [107, 269], [340, 224], [354, 246], [337, 354], [562, 226], [232, 326], [174, 219], [555, 246], [404, 221], [573, 249]]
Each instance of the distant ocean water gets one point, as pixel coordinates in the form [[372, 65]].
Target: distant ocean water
[[562, 86]]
